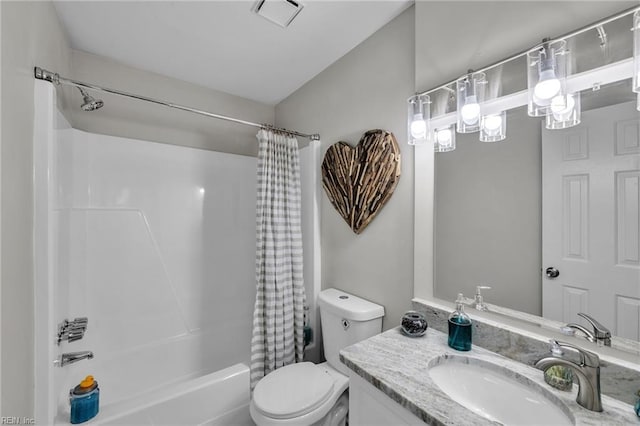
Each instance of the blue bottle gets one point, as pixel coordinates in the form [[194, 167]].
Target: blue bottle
[[85, 400], [459, 327]]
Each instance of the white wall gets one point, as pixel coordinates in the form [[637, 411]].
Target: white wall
[[30, 35], [365, 89]]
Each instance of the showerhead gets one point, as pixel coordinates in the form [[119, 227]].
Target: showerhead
[[89, 102]]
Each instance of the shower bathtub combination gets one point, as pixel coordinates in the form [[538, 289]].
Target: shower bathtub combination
[[155, 245]]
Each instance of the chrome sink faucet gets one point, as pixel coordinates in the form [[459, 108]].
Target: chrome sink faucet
[[587, 372], [478, 301], [600, 334]]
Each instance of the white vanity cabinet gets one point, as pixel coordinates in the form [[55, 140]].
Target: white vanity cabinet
[[368, 406]]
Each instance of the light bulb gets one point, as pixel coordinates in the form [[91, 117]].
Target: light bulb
[[492, 124], [562, 107], [418, 127], [444, 136], [470, 111], [548, 85]]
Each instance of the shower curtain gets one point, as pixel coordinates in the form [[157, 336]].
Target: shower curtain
[[278, 318]]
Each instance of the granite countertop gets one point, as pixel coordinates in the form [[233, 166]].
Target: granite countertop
[[398, 366]]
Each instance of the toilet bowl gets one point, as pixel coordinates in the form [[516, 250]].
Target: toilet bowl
[[308, 394]]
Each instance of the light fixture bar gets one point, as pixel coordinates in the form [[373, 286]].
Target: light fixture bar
[[606, 74], [524, 52]]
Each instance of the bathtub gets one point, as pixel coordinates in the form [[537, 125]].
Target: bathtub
[[217, 399]]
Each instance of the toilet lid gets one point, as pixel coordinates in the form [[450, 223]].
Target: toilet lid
[[292, 391]]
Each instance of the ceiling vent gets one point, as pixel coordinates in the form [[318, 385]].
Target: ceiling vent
[[280, 12]]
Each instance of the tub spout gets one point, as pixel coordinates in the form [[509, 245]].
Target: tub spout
[[71, 357]]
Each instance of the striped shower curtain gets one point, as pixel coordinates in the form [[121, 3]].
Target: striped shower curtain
[[278, 317]]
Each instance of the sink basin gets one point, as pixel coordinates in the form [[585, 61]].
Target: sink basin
[[497, 393]]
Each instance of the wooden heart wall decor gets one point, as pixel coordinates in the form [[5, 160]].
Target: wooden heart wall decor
[[359, 181]]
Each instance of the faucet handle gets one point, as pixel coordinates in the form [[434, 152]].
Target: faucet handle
[[80, 322], [587, 358], [72, 330], [599, 330]]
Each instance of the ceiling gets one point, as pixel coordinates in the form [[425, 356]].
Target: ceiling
[[223, 45]]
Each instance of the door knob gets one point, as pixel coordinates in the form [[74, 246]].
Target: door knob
[[552, 272]]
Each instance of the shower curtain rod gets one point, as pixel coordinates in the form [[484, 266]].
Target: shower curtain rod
[[55, 78]]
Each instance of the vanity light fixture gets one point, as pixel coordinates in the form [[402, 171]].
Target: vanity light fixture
[[419, 113], [470, 94], [549, 75], [546, 74], [564, 113], [636, 51], [444, 140], [493, 127]]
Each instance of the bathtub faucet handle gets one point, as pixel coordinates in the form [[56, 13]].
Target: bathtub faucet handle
[[72, 330]]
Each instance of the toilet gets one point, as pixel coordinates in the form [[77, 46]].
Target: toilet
[[316, 394]]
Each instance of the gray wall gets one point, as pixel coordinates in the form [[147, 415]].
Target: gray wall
[[142, 120], [30, 35], [492, 30], [365, 89], [488, 217]]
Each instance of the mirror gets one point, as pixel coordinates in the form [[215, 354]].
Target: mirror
[[567, 199], [506, 211]]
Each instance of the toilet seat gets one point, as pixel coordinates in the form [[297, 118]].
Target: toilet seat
[[293, 391], [263, 417]]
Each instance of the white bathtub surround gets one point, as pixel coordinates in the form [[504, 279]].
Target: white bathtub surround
[[278, 318], [154, 243]]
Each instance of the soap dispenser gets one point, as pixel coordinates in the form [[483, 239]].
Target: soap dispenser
[[460, 327]]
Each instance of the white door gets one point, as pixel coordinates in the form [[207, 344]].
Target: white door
[[590, 225]]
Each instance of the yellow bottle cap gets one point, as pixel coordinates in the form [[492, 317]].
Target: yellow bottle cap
[[87, 382]]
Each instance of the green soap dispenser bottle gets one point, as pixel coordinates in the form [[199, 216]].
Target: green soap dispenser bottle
[[459, 327]]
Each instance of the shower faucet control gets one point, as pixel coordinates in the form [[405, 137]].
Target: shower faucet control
[[72, 330]]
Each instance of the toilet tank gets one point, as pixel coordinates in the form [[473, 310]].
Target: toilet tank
[[346, 319]]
